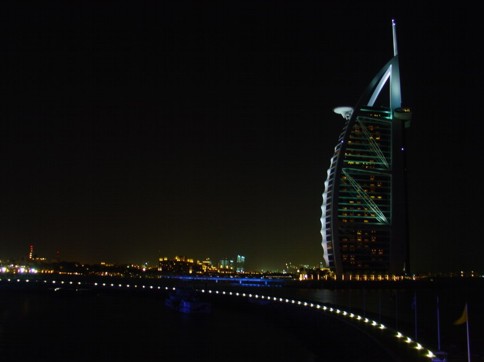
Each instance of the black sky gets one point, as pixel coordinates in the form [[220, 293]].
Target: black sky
[[132, 130]]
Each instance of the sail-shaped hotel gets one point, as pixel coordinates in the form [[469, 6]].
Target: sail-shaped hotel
[[364, 211]]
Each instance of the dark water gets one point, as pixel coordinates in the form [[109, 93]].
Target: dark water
[[425, 313], [105, 327], [40, 325], [47, 326]]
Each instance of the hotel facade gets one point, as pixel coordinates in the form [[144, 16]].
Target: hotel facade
[[364, 211]]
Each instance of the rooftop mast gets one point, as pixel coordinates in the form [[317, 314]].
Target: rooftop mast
[[394, 32]]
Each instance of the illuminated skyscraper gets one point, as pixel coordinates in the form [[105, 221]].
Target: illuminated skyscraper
[[364, 216], [31, 252], [240, 264]]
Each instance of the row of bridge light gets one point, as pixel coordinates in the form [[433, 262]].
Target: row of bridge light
[[62, 282], [398, 335]]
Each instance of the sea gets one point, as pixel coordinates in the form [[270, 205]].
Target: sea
[[425, 311], [45, 324]]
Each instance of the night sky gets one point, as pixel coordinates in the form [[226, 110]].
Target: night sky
[[133, 130]]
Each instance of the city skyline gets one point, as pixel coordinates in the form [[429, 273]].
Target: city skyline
[[134, 131]]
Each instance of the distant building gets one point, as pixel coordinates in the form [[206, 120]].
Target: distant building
[[291, 268], [179, 265], [240, 264], [364, 216], [31, 256], [226, 264], [207, 263]]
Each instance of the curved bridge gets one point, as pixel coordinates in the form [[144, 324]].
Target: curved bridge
[[406, 348]]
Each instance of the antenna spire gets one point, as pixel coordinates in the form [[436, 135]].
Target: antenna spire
[[394, 31]]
